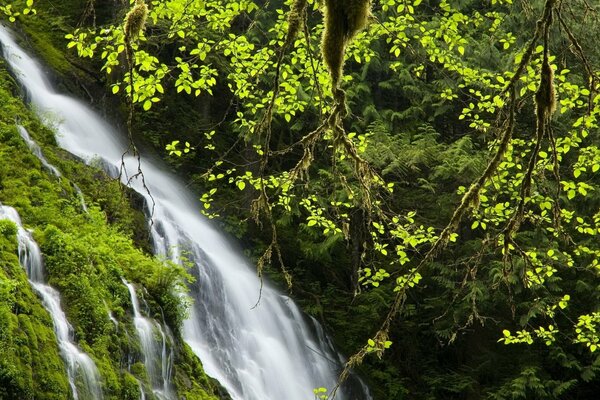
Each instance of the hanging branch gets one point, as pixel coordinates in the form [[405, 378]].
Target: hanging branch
[[592, 87], [578, 51], [545, 102], [296, 18], [342, 23], [135, 21]]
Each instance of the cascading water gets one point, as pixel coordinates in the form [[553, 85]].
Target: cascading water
[[111, 317], [81, 371], [157, 359], [37, 151], [269, 352]]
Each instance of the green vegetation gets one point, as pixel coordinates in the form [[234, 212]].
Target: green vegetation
[[86, 254], [30, 365]]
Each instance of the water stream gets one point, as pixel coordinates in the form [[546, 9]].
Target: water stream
[[268, 352], [158, 359], [81, 371], [37, 151]]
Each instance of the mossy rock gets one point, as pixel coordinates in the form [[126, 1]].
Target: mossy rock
[[86, 254], [30, 363]]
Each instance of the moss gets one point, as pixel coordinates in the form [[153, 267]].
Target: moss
[[342, 21], [30, 364], [7, 229], [86, 254], [296, 16], [43, 33], [131, 387], [135, 20], [68, 11], [190, 379]]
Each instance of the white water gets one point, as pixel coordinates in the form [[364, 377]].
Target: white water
[[157, 359], [81, 371], [37, 151], [269, 352], [142, 393], [111, 317]]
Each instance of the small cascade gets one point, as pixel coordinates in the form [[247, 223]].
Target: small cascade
[[166, 357], [82, 373], [153, 341], [81, 198], [142, 393], [111, 317], [37, 151]]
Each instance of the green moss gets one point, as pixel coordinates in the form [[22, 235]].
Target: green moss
[[30, 364], [7, 229], [342, 21], [44, 32], [86, 254], [201, 386], [135, 20], [131, 387]]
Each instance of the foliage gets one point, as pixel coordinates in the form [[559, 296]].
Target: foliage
[[17, 9]]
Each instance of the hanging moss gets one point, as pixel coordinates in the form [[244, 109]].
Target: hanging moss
[[296, 15], [343, 20], [135, 20], [545, 97]]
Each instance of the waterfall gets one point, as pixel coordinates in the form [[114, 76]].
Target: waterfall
[[157, 359], [82, 373], [268, 352]]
